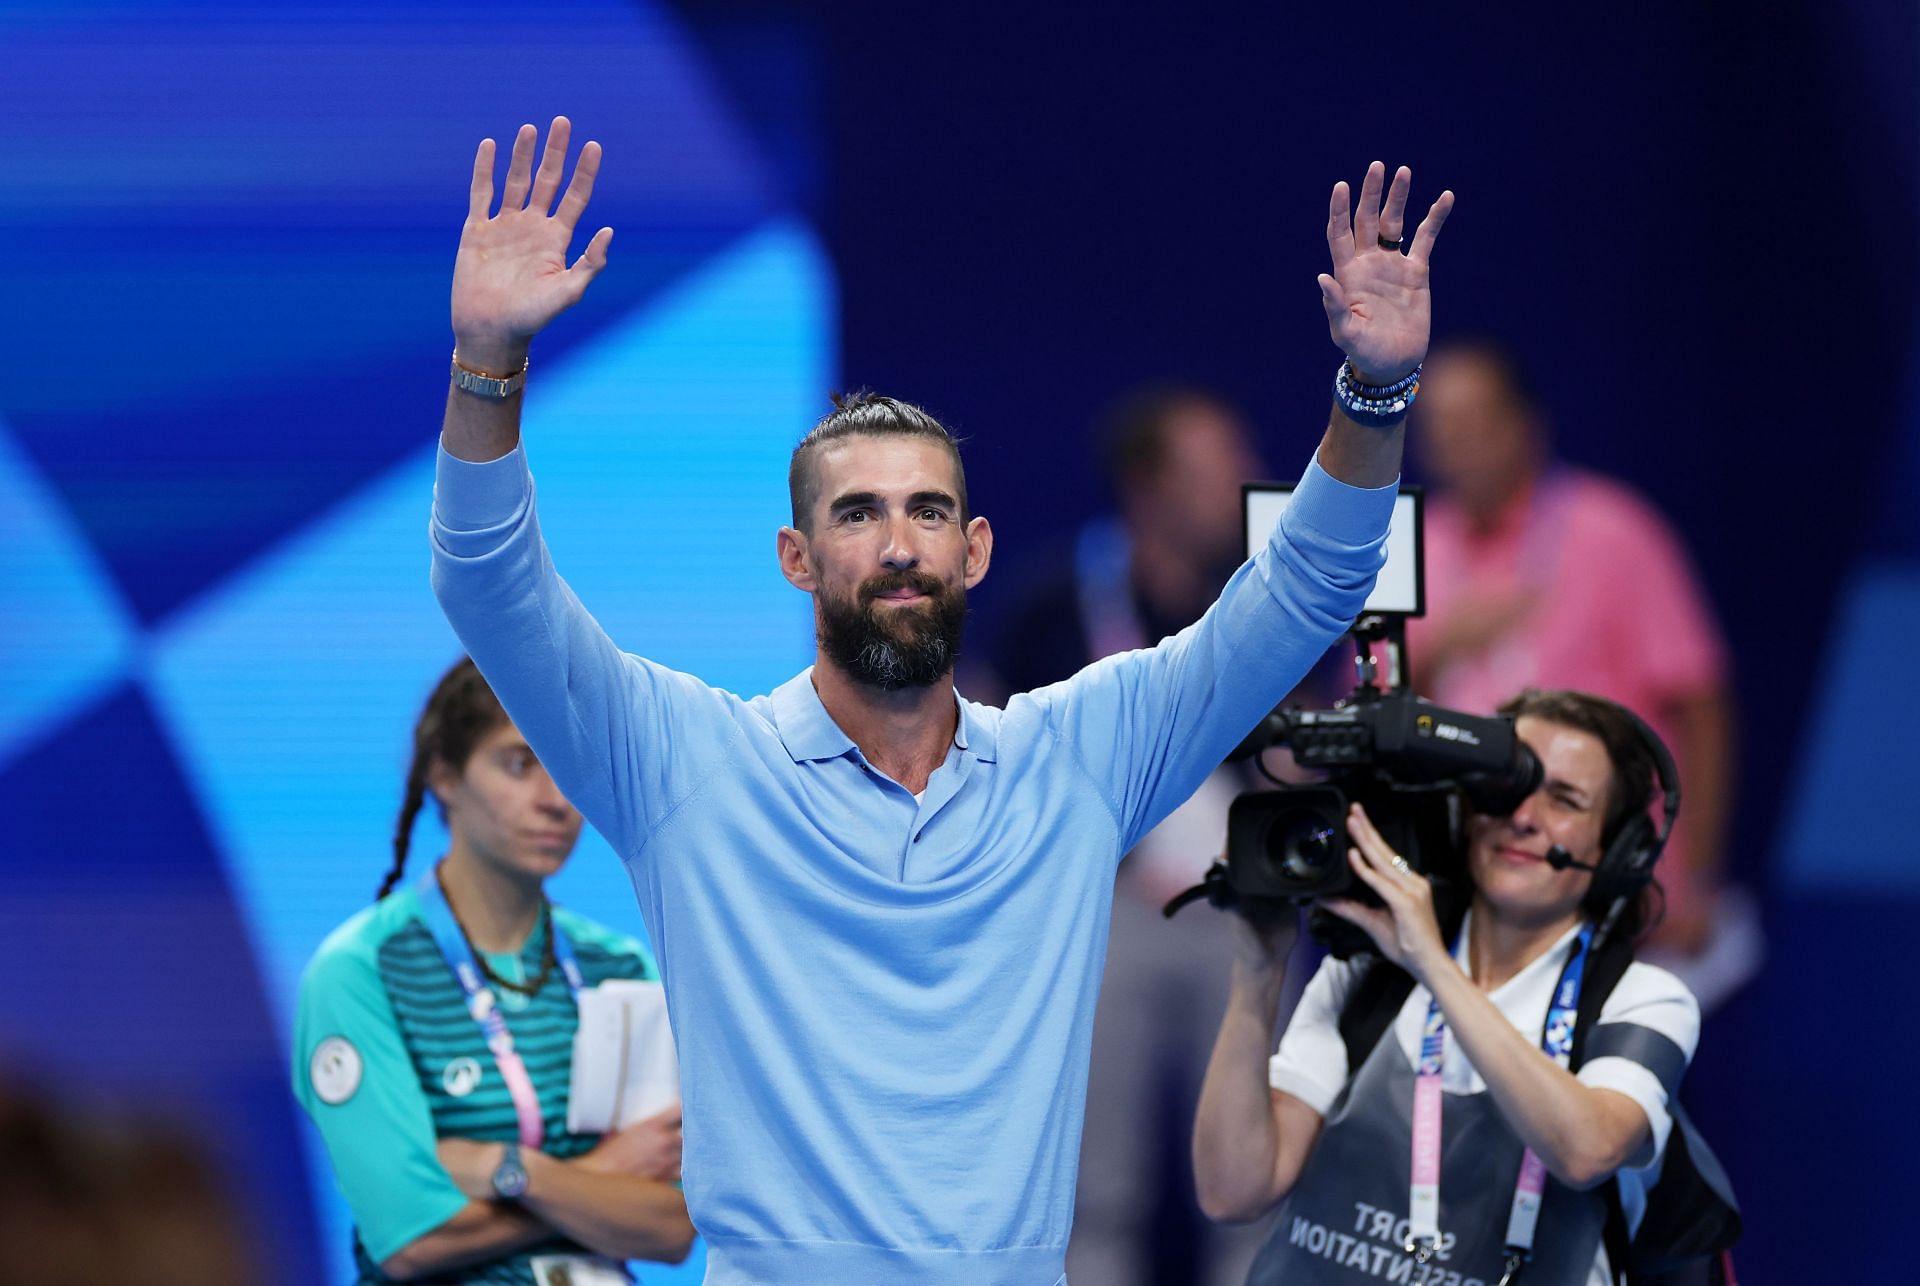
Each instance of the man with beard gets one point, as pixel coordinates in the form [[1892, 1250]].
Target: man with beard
[[881, 910]]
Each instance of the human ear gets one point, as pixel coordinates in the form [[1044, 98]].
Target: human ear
[[442, 780], [791, 549], [979, 550]]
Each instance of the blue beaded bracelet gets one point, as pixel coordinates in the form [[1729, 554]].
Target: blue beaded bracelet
[[1379, 405]]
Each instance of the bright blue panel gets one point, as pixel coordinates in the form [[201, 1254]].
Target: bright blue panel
[[64, 634], [229, 240], [1846, 830]]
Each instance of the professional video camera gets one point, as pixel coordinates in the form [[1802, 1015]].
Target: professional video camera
[[1414, 766]]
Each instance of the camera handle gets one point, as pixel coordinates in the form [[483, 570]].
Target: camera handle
[[1385, 628]]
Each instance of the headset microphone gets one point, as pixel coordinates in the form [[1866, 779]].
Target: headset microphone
[[1560, 859]]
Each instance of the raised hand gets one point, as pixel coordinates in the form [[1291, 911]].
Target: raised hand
[[510, 276], [1379, 309]]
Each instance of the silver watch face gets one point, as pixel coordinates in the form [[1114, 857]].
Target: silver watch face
[[510, 1180]]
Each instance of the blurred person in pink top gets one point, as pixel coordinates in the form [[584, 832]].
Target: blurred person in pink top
[[1542, 575]]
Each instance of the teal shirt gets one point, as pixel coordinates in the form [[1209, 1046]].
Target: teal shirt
[[387, 1060]]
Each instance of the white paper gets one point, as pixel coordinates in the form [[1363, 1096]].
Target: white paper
[[625, 1067]]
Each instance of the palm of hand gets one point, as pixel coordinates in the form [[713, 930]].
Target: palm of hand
[[1379, 308], [1388, 317], [510, 276]]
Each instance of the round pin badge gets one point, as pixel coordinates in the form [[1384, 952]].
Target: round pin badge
[[335, 1070], [461, 1077]]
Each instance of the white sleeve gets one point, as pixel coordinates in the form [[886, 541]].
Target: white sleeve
[[1641, 1046], [1312, 1062]]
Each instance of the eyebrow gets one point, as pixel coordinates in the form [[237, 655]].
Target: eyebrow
[[871, 500], [1562, 784], [854, 500]]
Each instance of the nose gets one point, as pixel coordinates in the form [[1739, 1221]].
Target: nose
[[1524, 819], [550, 801], [899, 554]]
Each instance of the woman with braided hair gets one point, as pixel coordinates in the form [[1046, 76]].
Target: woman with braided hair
[[435, 1031]]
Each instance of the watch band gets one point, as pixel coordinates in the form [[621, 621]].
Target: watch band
[[496, 387]]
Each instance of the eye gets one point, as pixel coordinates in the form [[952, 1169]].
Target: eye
[[519, 763], [931, 514]]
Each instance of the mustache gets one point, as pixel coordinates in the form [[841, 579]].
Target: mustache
[[906, 578]]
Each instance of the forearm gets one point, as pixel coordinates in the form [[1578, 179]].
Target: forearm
[[480, 1231], [478, 428], [1235, 1142], [617, 1215], [1360, 455], [1582, 1134]]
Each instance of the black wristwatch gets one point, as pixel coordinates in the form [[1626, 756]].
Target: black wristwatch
[[510, 1177]]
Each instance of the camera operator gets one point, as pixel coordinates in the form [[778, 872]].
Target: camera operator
[[1471, 1066]]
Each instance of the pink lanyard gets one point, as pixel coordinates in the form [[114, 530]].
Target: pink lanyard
[[484, 1007], [1423, 1199]]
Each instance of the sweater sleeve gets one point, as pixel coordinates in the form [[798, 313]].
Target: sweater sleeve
[[1149, 726], [625, 739]]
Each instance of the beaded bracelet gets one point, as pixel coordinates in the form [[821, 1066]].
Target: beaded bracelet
[[1380, 405]]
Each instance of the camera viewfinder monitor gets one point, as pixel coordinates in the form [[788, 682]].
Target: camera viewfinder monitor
[[1402, 587]]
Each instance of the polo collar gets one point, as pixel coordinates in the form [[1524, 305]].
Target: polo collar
[[809, 732]]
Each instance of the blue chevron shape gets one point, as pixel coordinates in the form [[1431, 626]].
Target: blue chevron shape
[[65, 636]]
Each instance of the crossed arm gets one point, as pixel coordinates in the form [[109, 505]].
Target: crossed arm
[[617, 1200]]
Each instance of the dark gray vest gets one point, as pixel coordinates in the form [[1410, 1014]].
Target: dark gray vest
[[1345, 1221]]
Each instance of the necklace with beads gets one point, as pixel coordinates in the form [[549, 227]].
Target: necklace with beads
[[547, 957]]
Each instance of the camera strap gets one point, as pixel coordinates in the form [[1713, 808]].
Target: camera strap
[[484, 1007], [1423, 1203]]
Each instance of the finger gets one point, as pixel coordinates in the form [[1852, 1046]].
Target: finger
[[1334, 300], [1366, 214], [1379, 881], [553, 163], [1371, 842], [1429, 229], [519, 170], [1377, 924], [1340, 226], [1393, 219], [480, 193], [585, 170], [593, 258]]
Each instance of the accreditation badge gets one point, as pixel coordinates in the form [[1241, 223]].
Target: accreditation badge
[[578, 1270]]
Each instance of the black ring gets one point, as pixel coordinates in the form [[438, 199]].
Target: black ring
[[1386, 244]]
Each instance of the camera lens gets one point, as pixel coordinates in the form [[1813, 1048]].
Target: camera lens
[[1303, 844]]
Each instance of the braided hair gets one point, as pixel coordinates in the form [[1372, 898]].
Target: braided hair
[[461, 711]]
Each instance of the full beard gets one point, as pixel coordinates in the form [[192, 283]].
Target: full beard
[[894, 648]]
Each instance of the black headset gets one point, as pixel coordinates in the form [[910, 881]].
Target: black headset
[[1627, 865]]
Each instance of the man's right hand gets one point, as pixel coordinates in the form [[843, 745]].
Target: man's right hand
[[510, 277]]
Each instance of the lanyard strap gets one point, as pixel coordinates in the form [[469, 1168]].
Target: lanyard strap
[[1423, 1204], [484, 1007]]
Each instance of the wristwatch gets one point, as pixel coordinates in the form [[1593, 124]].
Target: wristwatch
[[510, 1177], [494, 387]]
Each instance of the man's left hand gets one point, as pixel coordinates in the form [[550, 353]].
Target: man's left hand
[[1379, 307]]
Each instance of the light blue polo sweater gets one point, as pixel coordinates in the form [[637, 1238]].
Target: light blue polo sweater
[[883, 1006]]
